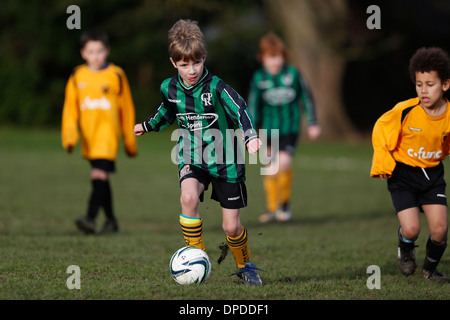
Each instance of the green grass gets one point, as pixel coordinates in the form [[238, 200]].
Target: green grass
[[343, 222]]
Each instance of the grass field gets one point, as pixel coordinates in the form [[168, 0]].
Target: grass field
[[343, 222]]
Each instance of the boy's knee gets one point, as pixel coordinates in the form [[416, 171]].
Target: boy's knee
[[439, 234], [411, 232], [189, 200], [232, 230], [99, 174]]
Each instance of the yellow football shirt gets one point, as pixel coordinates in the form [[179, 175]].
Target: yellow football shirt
[[99, 108], [407, 134]]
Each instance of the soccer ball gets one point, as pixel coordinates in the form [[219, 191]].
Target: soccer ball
[[190, 265]]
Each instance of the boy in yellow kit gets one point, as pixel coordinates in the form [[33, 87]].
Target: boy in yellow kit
[[410, 142], [98, 107]]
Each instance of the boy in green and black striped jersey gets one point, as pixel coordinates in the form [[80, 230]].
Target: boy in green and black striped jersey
[[276, 92], [208, 112]]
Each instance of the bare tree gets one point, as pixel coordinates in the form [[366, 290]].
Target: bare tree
[[316, 31]]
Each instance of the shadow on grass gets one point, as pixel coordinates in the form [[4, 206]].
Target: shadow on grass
[[298, 219], [356, 273]]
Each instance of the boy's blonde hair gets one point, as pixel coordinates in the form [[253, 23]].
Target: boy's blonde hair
[[186, 41]]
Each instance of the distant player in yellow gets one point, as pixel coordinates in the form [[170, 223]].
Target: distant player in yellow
[[410, 141], [98, 108]]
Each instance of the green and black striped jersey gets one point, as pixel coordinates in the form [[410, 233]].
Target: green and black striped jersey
[[212, 118], [274, 101]]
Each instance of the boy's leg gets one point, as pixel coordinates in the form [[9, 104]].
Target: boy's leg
[[437, 242], [407, 235], [107, 203], [100, 186], [271, 189], [409, 223], [285, 183], [436, 215], [95, 202], [111, 224], [232, 197], [190, 220], [237, 237], [285, 176], [101, 197]]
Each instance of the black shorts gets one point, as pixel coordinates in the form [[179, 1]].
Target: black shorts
[[103, 164], [285, 143], [229, 195], [413, 186]]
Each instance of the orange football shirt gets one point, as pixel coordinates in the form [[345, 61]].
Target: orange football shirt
[[98, 107], [407, 134]]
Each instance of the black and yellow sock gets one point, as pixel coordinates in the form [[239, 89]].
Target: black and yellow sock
[[192, 231], [272, 192], [239, 248], [285, 185]]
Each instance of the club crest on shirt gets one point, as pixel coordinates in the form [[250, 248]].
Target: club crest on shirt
[[287, 79], [206, 98]]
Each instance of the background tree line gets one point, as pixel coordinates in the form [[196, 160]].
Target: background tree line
[[355, 73]]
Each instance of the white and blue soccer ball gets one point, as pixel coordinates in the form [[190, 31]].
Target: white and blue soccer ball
[[190, 265]]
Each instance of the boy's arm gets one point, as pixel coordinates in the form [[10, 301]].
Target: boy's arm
[[127, 116], [254, 101], [307, 102], [155, 122], [384, 140], [309, 108], [70, 116], [160, 120], [236, 107]]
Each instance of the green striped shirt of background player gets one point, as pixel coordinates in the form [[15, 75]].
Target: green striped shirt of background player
[[214, 105], [275, 101]]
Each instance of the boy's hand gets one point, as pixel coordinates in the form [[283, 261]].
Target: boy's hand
[[314, 132], [69, 149], [384, 176], [131, 154], [254, 145], [138, 130]]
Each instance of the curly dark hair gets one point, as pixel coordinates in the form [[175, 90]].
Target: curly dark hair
[[430, 59]]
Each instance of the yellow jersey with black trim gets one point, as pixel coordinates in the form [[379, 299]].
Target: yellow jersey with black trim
[[99, 108], [407, 134]]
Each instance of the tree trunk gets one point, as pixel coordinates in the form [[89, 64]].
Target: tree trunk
[[315, 31]]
